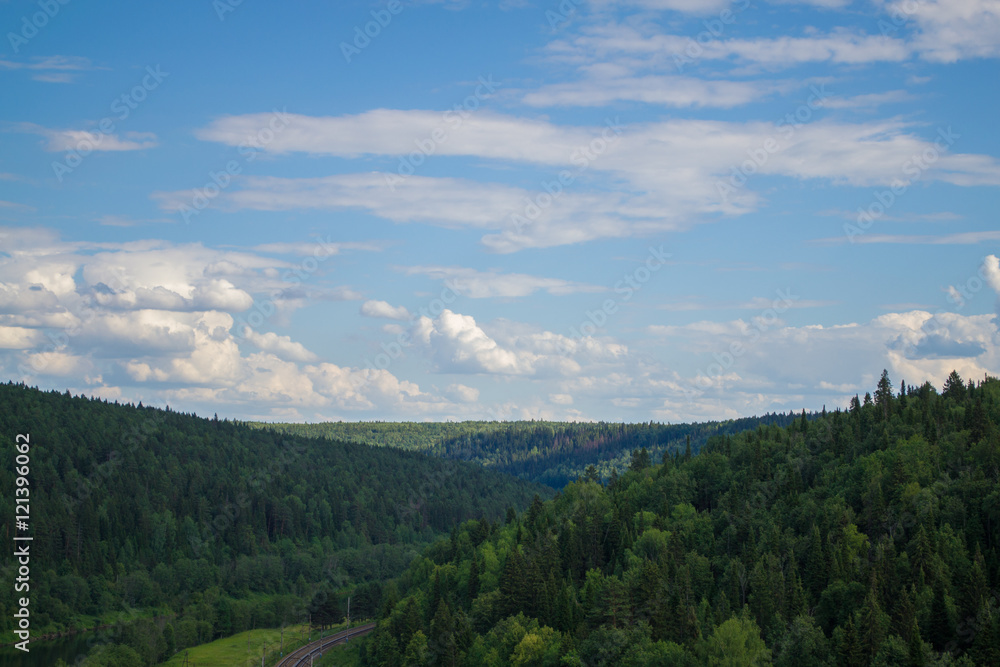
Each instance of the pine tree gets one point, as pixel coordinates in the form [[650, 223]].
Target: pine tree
[[916, 645], [474, 577], [883, 396], [873, 625], [954, 387], [442, 640], [940, 628], [849, 647], [513, 584], [816, 567]]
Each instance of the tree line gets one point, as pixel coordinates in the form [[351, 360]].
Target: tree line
[[550, 453]]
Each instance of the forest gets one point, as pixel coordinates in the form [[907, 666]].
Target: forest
[[550, 453], [866, 536], [178, 530]]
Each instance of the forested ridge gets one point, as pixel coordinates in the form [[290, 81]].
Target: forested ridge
[[551, 453], [217, 527], [867, 536]]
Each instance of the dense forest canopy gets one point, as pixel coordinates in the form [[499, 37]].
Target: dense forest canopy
[[552, 453], [139, 512], [868, 536]]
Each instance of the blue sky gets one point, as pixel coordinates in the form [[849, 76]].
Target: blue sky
[[608, 209]]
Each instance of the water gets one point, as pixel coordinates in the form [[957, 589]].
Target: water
[[45, 654]]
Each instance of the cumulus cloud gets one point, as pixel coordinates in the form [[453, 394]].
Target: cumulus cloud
[[159, 318], [18, 338], [456, 343], [282, 347]]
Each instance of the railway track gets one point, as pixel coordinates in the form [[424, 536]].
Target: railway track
[[301, 657]]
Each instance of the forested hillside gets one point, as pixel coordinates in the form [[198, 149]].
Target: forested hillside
[[868, 536], [552, 453], [212, 525]]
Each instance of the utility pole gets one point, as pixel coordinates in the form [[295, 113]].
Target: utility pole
[[348, 638], [263, 651]]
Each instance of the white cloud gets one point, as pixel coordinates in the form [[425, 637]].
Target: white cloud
[[699, 7], [461, 393], [50, 69], [991, 269], [382, 309], [493, 284], [632, 48], [960, 238], [157, 318], [57, 363], [653, 178], [14, 206], [672, 91], [951, 30], [282, 347], [458, 345], [87, 141], [18, 338]]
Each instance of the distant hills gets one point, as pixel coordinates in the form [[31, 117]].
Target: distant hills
[[552, 453]]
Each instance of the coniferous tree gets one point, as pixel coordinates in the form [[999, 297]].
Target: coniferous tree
[[954, 387], [883, 396]]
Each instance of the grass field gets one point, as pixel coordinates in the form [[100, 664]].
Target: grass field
[[342, 656], [233, 652]]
